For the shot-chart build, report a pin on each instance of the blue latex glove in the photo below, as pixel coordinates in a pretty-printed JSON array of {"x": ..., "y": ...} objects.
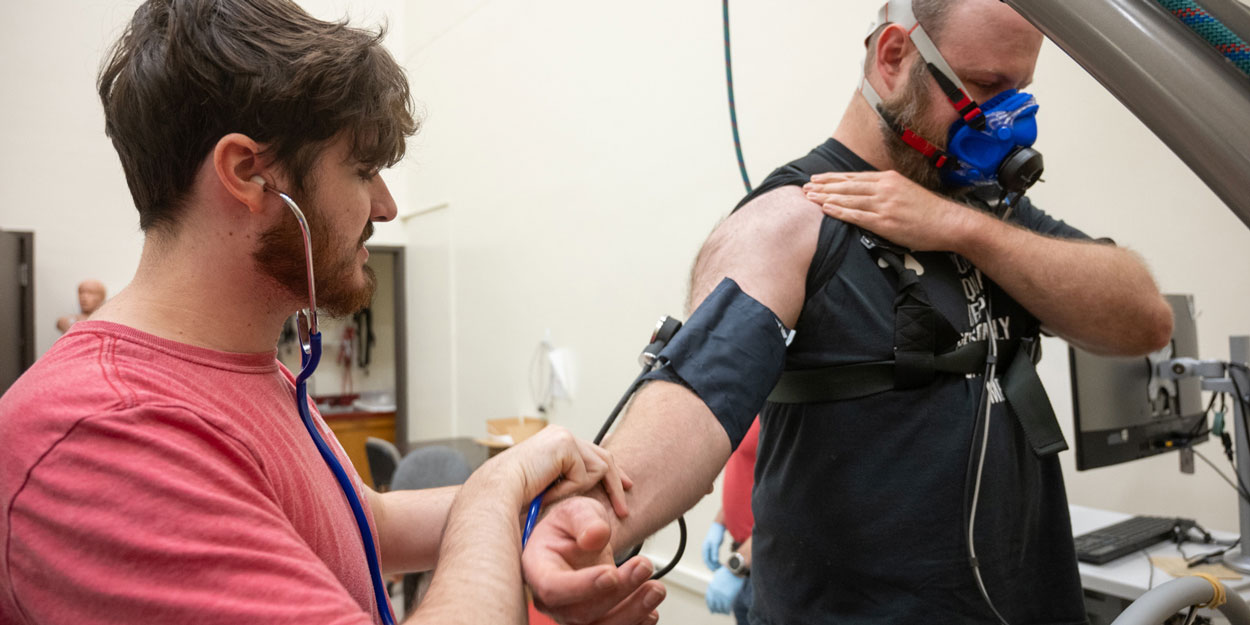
[
  {"x": 721, "y": 592},
  {"x": 711, "y": 546}
]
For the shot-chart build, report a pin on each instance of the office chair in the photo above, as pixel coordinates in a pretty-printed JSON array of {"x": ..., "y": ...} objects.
[
  {"x": 383, "y": 459},
  {"x": 427, "y": 467}
]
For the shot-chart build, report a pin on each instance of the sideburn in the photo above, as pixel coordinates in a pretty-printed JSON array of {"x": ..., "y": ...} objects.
[
  {"x": 280, "y": 256},
  {"x": 911, "y": 109}
]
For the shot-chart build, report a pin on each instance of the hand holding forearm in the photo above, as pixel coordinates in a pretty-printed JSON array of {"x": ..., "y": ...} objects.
[
  {"x": 672, "y": 472},
  {"x": 478, "y": 579}
]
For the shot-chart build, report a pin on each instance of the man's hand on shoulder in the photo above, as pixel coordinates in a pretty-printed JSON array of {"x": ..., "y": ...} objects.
[
  {"x": 894, "y": 207},
  {"x": 1099, "y": 297},
  {"x": 569, "y": 566}
]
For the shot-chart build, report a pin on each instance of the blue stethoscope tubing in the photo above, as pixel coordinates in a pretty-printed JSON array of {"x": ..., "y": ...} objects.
[
  {"x": 308, "y": 362},
  {"x": 532, "y": 517},
  {"x": 310, "y": 356}
]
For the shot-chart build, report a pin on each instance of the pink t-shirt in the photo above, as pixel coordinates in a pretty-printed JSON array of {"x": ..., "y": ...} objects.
[{"x": 147, "y": 481}]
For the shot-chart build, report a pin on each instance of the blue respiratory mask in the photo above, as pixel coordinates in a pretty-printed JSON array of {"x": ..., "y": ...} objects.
[{"x": 1002, "y": 153}]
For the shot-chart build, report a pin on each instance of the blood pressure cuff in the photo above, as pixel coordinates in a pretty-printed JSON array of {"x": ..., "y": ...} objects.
[{"x": 730, "y": 353}]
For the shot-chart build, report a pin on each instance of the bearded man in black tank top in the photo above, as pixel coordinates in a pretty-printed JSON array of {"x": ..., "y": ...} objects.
[{"x": 860, "y": 503}]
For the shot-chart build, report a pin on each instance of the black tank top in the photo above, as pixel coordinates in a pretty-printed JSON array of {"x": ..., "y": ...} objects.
[{"x": 859, "y": 503}]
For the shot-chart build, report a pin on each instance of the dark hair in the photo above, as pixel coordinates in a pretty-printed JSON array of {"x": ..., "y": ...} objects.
[
  {"x": 931, "y": 14},
  {"x": 188, "y": 72}
]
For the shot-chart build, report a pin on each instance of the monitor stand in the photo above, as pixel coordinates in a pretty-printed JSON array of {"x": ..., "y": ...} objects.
[{"x": 1239, "y": 350}]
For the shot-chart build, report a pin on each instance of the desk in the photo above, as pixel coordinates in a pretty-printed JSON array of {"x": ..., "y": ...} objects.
[{"x": 1117, "y": 583}]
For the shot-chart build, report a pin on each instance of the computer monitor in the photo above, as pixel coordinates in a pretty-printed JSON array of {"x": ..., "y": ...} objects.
[{"x": 1123, "y": 412}]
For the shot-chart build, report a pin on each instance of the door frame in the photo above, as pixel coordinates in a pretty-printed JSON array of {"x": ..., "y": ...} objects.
[{"x": 401, "y": 342}]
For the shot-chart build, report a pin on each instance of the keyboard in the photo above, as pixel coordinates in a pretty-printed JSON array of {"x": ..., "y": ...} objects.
[{"x": 1128, "y": 536}]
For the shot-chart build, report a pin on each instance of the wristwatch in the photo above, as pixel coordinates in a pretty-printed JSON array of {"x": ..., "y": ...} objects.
[{"x": 737, "y": 564}]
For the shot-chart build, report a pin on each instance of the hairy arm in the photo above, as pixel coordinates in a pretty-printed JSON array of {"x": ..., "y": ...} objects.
[
  {"x": 1096, "y": 296},
  {"x": 410, "y": 526},
  {"x": 478, "y": 578},
  {"x": 766, "y": 247},
  {"x": 473, "y": 532},
  {"x": 668, "y": 441}
]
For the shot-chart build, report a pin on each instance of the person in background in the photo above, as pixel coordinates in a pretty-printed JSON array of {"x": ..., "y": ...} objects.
[{"x": 730, "y": 589}]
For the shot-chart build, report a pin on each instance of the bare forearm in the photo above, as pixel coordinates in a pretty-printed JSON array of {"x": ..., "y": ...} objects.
[
  {"x": 673, "y": 447},
  {"x": 410, "y": 527},
  {"x": 1099, "y": 297},
  {"x": 669, "y": 441},
  {"x": 479, "y": 560}
]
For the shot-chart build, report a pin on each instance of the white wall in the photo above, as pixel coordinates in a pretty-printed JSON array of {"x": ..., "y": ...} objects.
[
  {"x": 583, "y": 150},
  {"x": 59, "y": 175}
]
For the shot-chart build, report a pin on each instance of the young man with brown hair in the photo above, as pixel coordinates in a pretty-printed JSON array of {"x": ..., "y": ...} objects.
[{"x": 155, "y": 467}]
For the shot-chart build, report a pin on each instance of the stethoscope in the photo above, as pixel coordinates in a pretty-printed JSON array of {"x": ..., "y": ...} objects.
[{"x": 310, "y": 356}]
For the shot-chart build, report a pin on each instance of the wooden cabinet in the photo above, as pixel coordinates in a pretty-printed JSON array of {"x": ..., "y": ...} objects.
[{"x": 353, "y": 428}]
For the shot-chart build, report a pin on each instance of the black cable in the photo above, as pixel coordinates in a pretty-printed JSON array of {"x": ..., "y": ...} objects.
[
  {"x": 1198, "y": 430},
  {"x": 1241, "y": 485},
  {"x": 1241, "y": 401},
  {"x": 1211, "y": 404},
  {"x": 681, "y": 548},
  {"x": 1240, "y": 488},
  {"x": 1193, "y": 613},
  {"x": 1206, "y": 558},
  {"x": 1179, "y": 541},
  {"x": 607, "y": 425},
  {"x": 733, "y": 109},
  {"x": 1245, "y": 491},
  {"x": 1150, "y": 584},
  {"x": 603, "y": 432},
  {"x": 984, "y": 406}
]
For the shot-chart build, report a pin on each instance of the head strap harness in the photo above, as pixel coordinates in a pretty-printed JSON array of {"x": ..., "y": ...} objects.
[{"x": 900, "y": 12}]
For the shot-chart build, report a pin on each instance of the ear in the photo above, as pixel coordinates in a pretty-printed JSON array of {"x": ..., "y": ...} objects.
[
  {"x": 894, "y": 49},
  {"x": 237, "y": 162}
]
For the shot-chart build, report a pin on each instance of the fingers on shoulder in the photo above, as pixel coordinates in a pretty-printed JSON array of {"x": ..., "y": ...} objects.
[
  {"x": 779, "y": 215},
  {"x": 766, "y": 247}
]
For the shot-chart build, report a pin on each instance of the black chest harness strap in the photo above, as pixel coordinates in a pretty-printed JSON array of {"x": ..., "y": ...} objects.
[{"x": 925, "y": 344}]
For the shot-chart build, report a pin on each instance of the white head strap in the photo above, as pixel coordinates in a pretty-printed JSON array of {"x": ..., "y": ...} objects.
[{"x": 900, "y": 12}]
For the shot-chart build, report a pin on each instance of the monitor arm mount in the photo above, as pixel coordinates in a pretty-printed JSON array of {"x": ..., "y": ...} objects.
[{"x": 1218, "y": 377}]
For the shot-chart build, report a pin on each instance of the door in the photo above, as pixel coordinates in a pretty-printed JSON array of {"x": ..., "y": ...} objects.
[{"x": 17, "y": 306}]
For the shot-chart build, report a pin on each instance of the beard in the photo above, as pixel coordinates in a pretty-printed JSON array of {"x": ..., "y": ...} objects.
[
  {"x": 911, "y": 109},
  {"x": 280, "y": 256}
]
